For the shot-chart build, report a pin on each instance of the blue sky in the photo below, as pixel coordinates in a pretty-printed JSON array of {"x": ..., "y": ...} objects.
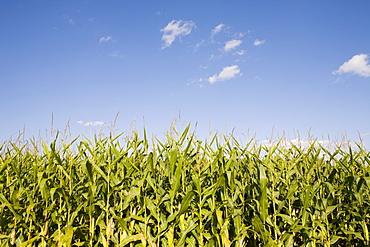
[{"x": 256, "y": 66}]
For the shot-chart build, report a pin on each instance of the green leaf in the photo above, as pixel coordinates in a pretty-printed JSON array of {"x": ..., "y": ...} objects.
[
  {"x": 29, "y": 242},
  {"x": 88, "y": 170},
  {"x": 263, "y": 196},
  {"x": 131, "y": 239},
  {"x": 152, "y": 208},
  {"x": 176, "y": 181},
  {"x": 5, "y": 202},
  {"x": 186, "y": 201},
  {"x": 100, "y": 172},
  {"x": 135, "y": 191}
]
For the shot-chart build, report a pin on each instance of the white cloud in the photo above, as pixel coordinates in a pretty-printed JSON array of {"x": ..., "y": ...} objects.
[
  {"x": 358, "y": 64},
  {"x": 96, "y": 123},
  {"x": 232, "y": 44},
  {"x": 239, "y": 35},
  {"x": 366, "y": 134},
  {"x": 306, "y": 143},
  {"x": 227, "y": 73},
  {"x": 217, "y": 29},
  {"x": 195, "y": 82},
  {"x": 201, "y": 43},
  {"x": 92, "y": 20},
  {"x": 258, "y": 42},
  {"x": 241, "y": 52},
  {"x": 115, "y": 54},
  {"x": 105, "y": 39},
  {"x": 70, "y": 20},
  {"x": 175, "y": 29}
]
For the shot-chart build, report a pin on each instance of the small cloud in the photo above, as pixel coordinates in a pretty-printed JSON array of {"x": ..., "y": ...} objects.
[
  {"x": 196, "y": 82},
  {"x": 232, "y": 44},
  {"x": 92, "y": 20},
  {"x": 70, "y": 20},
  {"x": 306, "y": 143},
  {"x": 217, "y": 29},
  {"x": 96, "y": 123},
  {"x": 105, "y": 39},
  {"x": 158, "y": 13},
  {"x": 337, "y": 80},
  {"x": 227, "y": 73},
  {"x": 176, "y": 29},
  {"x": 201, "y": 43},
  {"x": 358, "y": 64},
  {"x": 258, "y": 42},
  {"x": 115, "y": 54},
  {"x": 241, "y": 52},
  {"x": 258, "y": 78},
  {"x": 239, "y": 35}
]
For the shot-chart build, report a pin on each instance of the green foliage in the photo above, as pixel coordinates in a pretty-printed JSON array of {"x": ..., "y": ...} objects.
[{"x": 180, "y": 191}]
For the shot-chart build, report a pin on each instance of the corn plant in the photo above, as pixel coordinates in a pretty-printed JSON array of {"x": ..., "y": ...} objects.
[{"x": 181, "y": 191}]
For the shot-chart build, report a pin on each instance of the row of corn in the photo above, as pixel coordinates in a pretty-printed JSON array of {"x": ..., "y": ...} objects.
[{"x": 180, "y": 191}]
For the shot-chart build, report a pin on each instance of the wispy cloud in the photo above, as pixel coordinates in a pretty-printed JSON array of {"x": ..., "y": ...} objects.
[
  {"x": 196, "y": 82},
  {"x": 258, "y": 42},
  {"x": 92, "y": 20},
  {"x": 217, "y": 29},
  {"x": 199, "y": 44},
  {"x": 227, "y": 73},
  {"x": 241, "y": 52},
  {"x": 365, "y": 134},
  {"x": 358, "y": 64},
  {"x": 115, "y": 54},
  {"x": 95, "y": 123},
  {"x": 176, "y": 29},
  {"x": 306, "y": 143},
  {"x": 232, "y": 44},
  {"x": 105, "y": 39},
  {"x": 239, "y": 35},
  {"x": 70, "y": 20}
]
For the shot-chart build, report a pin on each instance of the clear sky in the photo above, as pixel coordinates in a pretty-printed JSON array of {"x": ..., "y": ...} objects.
[{"x": 283, "y": 65}]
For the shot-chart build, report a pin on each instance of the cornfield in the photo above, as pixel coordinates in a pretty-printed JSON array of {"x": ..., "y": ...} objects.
[{"x": 180, "y": 191}]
